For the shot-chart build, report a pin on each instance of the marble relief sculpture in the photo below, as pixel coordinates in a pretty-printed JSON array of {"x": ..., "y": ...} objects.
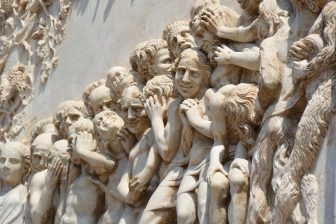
[{"x": 220, "y": 121}]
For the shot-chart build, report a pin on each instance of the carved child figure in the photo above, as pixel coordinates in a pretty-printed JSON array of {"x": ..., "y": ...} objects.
[
  {"x": 82, "y": 190},
  {"x": 112, "y": 142},
  {"x": 151, "y": 58}
]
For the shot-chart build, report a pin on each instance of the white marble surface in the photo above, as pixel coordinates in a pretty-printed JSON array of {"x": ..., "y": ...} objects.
[{"x": 101, "y": 34}]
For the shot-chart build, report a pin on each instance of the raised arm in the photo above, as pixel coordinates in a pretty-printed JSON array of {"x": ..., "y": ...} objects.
[{"x": 85, "y": 146}]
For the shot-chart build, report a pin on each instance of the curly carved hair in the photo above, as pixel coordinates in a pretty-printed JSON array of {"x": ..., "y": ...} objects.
[
  {"x": 25, "y": 155},
  {"x": 161, "y": 86},
  {"x": 143, "y": 57},
  {"x": 238, "y": 105},
  {"x": 43, "y": 126}
]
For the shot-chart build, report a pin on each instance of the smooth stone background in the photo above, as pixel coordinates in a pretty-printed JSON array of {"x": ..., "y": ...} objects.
[{"x": 101, "y": 34}]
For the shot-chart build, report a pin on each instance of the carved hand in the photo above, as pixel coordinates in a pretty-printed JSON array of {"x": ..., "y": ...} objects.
[
  {"x": 85, "y": 142},
  {"x": 138, "y": 182},
  {"x": 154, "y": 107},
  {"x": 214, "y": 168},
  {"x": 191, "y": 111},
  {"x": 223, "y": 55},
  {"x": 53, "y": 173},
  {"x": 212, "y": 21},
  {"x": 301, "y": 49},
  {"x": 127, "y": 139}
]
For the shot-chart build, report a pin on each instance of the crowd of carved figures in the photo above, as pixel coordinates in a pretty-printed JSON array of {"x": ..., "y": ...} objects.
[{"x": 220, "y": 121}]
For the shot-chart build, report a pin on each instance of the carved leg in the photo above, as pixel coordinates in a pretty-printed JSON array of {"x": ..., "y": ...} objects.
[
  {"x": 239, "y": 186},
  {"x": 114, "y": 212},
  {"x": 219, "y": 192},
  {"x": 203, "y": 203},
  {"x": 309, "y": 138},
  {"x": 186, "y": 202}
]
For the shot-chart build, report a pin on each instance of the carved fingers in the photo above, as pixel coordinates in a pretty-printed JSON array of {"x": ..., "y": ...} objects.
[
  {"x": 85, "y": 141},
  {"x": 127, "y": 139},
  {"x": 210, "y": 21},
  {"x": 301, "y": 50},
  {"x": 214, "y": 168},
  {"x": 137, "y": 183},
  {"x": 154, "y": 107},
  {"x": 223, "y": 55},
  {"x": 190, "y": 108},
  {"x": 54, "y": 171}
]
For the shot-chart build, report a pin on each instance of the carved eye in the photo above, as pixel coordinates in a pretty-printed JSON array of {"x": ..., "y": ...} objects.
[
  {"x": 74, "y": 117},
  {"x": 14, "y": 161},
  {"x": 2, "y": 160}
]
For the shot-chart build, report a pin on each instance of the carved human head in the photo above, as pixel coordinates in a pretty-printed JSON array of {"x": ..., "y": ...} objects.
[
  {"x": 44, "y": 126},
  {"x": 68, "y": 113},
  {"x": 249, "y": 6},
  {"x": 201, "y": 4},
  {"x": 178, "y": 37},
  {"x": 205, "y": 39},
  {"x": 40, "y": 151},
  {"x": 107, "y": 124},
  {"x": 192, "y": 73},
  {"x": 133, "y": 111},
  {"x": 151, "y": 58},
  {"x": 14, "y": 163},
  {"x": 97, "y": 97},
  {"x": 117, "y": 79}
]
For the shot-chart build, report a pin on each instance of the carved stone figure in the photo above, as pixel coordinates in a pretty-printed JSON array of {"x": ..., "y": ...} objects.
[
  {"x": 81, "y": 190},
  {"x": 48, "y": 188},
  {"x": 117, "y": 79},
  {"x": 315, "y": 74},
  {"x": 178, "y": 37},
  {"x": 68, "y": 113},
  {"x": 14, "y": 171},
  {"x": 97, "y": 97},
  {"x": 151, "y": 58},
  {"x": 136, "y": 121}
]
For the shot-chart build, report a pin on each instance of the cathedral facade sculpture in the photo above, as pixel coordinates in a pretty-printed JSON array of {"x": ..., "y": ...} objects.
[{"x": 220, "y": 121}]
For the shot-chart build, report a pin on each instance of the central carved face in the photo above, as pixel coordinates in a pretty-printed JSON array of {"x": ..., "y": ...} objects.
[
  {"x": 189, "y": 78},
  {"x": 107, "y": 124},
  {"x": 180, "y": 39},
  {"x": 100, "y": 99},
  {"x": 134, "y": 115},
  {"x": 11, "y": 165}
]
